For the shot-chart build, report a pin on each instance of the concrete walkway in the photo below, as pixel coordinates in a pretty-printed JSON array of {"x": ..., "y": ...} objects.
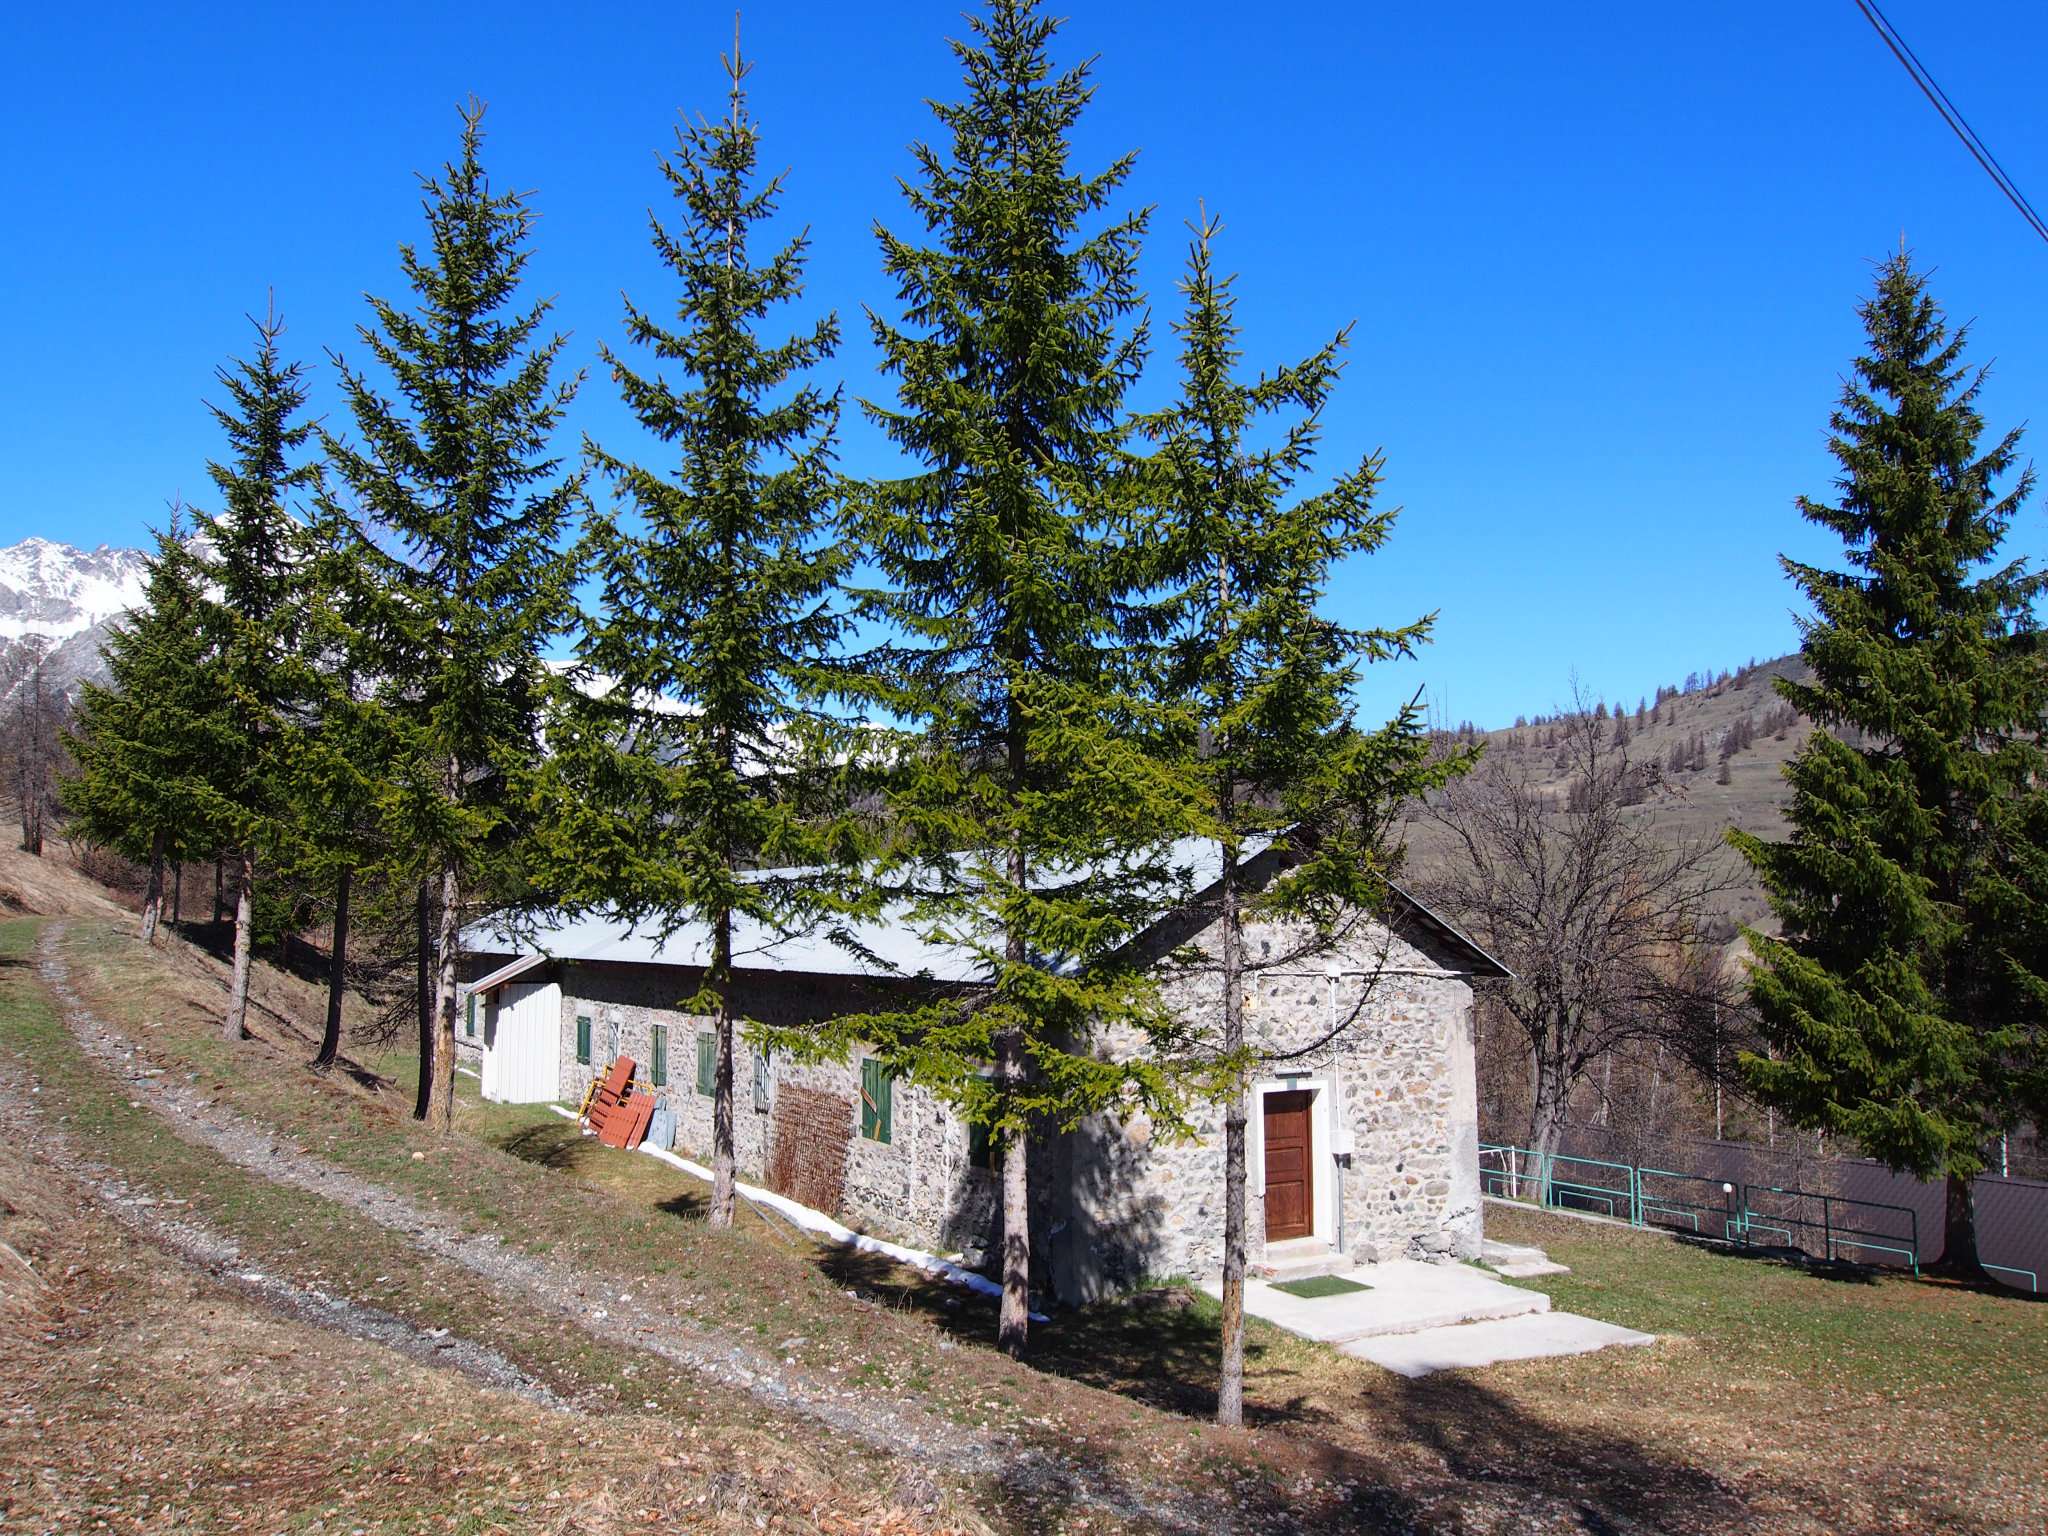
[
  {"x": 1532, "y": 1337},
  {"x": 1414, "y": 1318},
  {"x": 1403, "y": 1296}
]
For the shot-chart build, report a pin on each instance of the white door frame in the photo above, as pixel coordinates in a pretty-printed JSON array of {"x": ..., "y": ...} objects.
[{"x": 1324, "y": 1192}]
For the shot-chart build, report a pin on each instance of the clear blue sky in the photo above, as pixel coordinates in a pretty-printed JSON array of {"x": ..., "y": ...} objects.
[{"x": 1602, "y": 257}]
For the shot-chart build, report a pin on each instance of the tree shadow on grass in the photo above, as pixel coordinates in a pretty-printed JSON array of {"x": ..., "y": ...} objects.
[
  {"x": 560, "y": 1146},
  {"x": 1388, "y": 1453},
  {"x": 546, "y": 1145}
]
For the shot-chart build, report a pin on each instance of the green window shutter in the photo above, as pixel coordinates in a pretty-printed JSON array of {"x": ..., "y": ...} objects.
[
  {"x": 469, "y": 1019},
  {"x": 707, "y": 1064},
  {"x": 583, "y": 1039},
  {"x": 658, "y": 1068},
  {"x": 877, "y": 1100}
]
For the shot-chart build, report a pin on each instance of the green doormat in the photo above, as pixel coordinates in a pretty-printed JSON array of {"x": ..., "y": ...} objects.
[{"x": 1319, "y": 1285}]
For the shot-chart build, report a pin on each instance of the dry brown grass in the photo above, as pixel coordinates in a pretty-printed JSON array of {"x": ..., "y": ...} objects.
[
  {"x": 1778, "y": 1400},
  {"x": 141, "y": 1394},
  {"x": 138, "y": 1393},
  {"x": 51, "y": 886}
]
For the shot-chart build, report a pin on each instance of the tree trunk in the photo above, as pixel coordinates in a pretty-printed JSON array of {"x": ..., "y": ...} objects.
[
  {"x": 232, "y": 1027},
  {"x": 1547, "y": 1115},
  {"x": 423, "y": 995},
  {"x": 337, "y": 971},
  {"x": 178, "y": 892},
  {"x": 153, "y": 893},
  {"x": 1959, "y": 1231},
  {"x": 220, "y": 898},
  {"x": 1013, "y": 1323},
  {"x": 721, "y": 1086},
  {"x": 441, "y": 1103},
  {"x": 1230, "y": 1387}
]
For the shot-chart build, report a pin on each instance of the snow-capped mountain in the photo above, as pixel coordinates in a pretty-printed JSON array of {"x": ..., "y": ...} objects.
[
  {"x": 54, "y": 591},
  {"x": 55, "y": 605}
]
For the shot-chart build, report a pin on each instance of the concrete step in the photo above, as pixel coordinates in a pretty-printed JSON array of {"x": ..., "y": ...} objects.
[
  {"x": 1401, "y": 1296},
  {"x": 1301, "y": 1258},
  {"x": 1534, "y": 1337},
  {"x": 1518, "y": 1261}
]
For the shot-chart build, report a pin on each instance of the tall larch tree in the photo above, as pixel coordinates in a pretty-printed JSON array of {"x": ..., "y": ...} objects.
[
  {"x": 456, "y": 472},
  {"x": 1259, "y": 682},
  {"x": 1903, "y": 1000},
  {"x": 1027, "y": 815},
  {"x": 144, "y": 743},
  {"x": 696, "y": 732},
  {"x": 253, "y": 555}
]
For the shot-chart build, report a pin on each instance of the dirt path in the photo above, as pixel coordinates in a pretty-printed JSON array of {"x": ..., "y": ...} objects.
[
  {"x": 200, "y": 1247},
  {"x": 599, "y": 1308}
]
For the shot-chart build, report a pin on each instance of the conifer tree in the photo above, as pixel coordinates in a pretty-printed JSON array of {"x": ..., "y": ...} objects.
[
  {"x": 696, "y": 728},
  {"x": 1260, "y": 681},
  {"x": 1027, "y": 813},
  {"x": 344, "y": 755},
  {"x": 144, "y": 744},
  {"x": 456, "y": 472},
  {"x": 253, "y": 570},
  {"x": 1903, "y": 1003}
]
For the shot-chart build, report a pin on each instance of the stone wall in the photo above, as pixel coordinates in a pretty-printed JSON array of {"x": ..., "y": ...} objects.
[
  {"x": 916, "y": 1187},
  {"x": 1118, "y": 1199},
  {"x": 1394, "y": 1114}
]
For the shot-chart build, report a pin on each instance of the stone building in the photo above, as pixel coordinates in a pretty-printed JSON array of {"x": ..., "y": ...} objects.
[{"x": 1363, "y": 1126}]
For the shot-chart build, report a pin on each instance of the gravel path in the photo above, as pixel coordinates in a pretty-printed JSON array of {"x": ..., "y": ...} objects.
[
  {"x": 204, "y": 1249},
  {"x": 897, "y": 1428}
]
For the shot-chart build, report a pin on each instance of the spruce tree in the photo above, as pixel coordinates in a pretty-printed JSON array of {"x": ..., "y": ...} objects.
[
  {"x": 344, "y": 755},
  {"x": 1260, "y": 681},
  {"x": 1027, "y": 815},
  {"x": 1903, "y": 1002},
  {"x": 456, "y": 472},
  {"x": 144, "y": 744},
  {"x": 253, "y": 571},
  {"x": 689, "y": 744}
]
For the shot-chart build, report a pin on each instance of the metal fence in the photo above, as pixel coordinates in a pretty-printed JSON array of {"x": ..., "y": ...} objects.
[{"x": 1831, "y": 1208}]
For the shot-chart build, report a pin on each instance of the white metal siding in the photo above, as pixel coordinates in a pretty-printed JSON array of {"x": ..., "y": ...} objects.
[{"x": 522, "y": 1043}]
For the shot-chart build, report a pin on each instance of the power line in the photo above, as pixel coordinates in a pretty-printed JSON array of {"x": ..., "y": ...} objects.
[{"x": 1979, "y": 150}]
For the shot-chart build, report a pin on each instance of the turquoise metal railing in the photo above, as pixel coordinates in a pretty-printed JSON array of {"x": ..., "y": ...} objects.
[{"x": 1646, "y": 1197}]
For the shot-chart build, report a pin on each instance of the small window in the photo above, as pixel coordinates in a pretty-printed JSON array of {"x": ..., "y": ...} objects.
[
  {"x": 707, "y": 1063},
  {"x": 761, "y": 1082},
  {"x": 657, "y": 1069},
  {"x": 583, "y": 1039},
  {"x": 980, "y": 1145},
  {"x": 469, "y": 1018},
  {"x": 877, "y": 1100}
]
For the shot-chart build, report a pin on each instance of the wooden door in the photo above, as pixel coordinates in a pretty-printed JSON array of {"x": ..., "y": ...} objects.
[{"x": 1290, "y": 1175}]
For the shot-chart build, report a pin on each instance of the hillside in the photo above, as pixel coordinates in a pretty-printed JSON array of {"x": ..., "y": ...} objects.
[
  {"x": 323, "y": 1318},
  {"x": 1682, "y": 734}
]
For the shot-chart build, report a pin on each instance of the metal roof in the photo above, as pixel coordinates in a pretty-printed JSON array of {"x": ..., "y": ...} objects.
[{"x": 889, "y": 946}]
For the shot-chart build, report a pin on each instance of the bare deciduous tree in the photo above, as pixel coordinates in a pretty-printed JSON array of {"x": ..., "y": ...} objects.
[
  {"x": 33, "y": 749},
  {"x": 1598, "y": 911}
]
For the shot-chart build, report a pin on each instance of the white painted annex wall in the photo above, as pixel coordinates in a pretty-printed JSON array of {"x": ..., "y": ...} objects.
[{"x": 522, "y": 1043}]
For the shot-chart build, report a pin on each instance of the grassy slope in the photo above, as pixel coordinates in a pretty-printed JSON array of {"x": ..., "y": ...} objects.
[
  {"x": 1786, "y": 1401},
  {"x": 140, "y": 1393}
]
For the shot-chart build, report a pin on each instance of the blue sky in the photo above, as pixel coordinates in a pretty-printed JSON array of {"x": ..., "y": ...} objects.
[{"x": 1602, "y": 259}]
